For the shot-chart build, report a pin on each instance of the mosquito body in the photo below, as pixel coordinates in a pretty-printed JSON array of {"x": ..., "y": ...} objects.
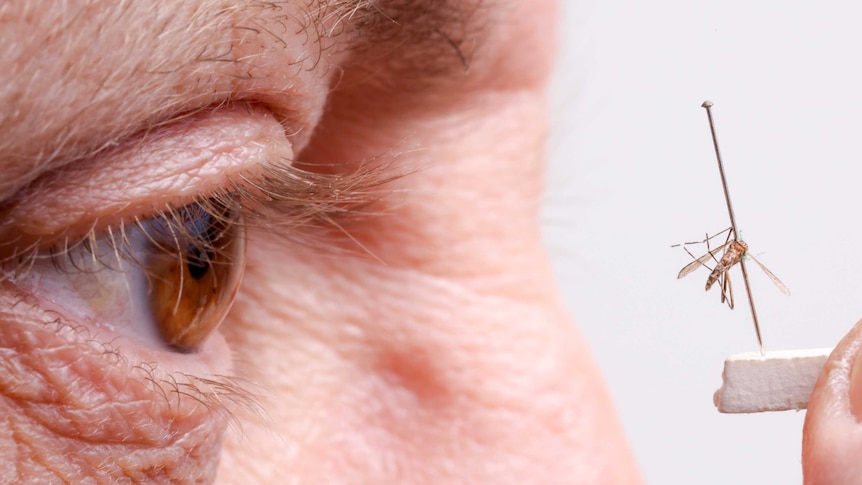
[
  {"x": 729, "y": 258},
  {"x": 732, "y": 252}
]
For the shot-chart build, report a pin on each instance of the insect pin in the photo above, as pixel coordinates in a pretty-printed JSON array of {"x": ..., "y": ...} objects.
[{"x": 733, "y": 251}]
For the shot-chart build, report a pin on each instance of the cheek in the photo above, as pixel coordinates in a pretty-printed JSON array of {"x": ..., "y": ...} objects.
[{"x": 74, "y": 409}]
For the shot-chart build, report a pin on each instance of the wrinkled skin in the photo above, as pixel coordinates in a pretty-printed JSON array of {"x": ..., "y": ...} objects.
[{"x": 439, "y": 353}]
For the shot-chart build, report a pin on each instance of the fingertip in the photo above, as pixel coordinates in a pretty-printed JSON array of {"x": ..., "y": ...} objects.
[
  {"x": 855, "y": 393},
  {"x": 832, "y": 436}
]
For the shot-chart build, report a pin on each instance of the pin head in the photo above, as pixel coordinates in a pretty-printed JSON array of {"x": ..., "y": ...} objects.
[{"x": 706, "y": 104}]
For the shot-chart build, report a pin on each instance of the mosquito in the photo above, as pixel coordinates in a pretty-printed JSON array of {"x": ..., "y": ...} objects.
[{"x": 734, "y": 251}]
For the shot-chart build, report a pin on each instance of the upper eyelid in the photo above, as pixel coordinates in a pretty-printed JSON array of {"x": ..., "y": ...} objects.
[
  {"x": 172, "y": 165},
  {"x": 152, "y": 61},
  {"x": 236, "y": 155}
]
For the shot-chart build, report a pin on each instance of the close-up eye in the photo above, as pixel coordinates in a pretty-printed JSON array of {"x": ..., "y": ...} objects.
[
  {"x": 146, "y": 241},
  {"x": 177, "y": 272},
  {"x": 160, "y": 263}
]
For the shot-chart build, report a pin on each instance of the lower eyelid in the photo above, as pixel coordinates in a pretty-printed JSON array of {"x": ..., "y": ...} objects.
[
  {"x": 25, "y": 307},
  {"x": 77, "y": 403}
]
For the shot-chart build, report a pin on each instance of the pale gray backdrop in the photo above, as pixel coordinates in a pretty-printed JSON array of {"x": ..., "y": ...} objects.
[{"x": 633, "y": 171}]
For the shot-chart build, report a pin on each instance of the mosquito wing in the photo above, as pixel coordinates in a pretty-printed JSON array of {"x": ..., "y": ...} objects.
[
  {"x": 697, "y": 263},
  {"x": 772, "y": 276}
]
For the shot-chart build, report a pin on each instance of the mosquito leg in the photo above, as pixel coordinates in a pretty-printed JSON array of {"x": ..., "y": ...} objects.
[
  {"x": 709, "y": 250},
  {"x": 706, "y": 239},
  {"x": 695, "y": 258},
  {"x": 727, "y": 290}
]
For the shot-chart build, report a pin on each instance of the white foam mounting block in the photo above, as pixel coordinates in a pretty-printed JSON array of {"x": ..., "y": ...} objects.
[{"x": 776, "y": 381}]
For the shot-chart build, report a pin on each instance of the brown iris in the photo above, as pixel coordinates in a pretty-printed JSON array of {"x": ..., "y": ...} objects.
[{"x": 196, "y": 273}]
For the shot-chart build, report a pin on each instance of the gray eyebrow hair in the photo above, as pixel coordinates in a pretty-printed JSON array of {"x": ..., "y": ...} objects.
[{"x": 419, "y": 39}]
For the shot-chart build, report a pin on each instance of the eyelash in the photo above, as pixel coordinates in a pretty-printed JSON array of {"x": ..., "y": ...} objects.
[
  {"x": 302, "y": 205},
  {"x": 281, "y": 198}
]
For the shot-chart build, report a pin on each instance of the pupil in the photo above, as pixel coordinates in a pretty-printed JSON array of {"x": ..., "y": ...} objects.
[
  {"x": 206, "y": 229},
  {"x": 198, "y": 262}
]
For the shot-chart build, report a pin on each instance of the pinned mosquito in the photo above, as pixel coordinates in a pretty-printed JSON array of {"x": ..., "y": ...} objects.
[{"x": 732, "y": 252}]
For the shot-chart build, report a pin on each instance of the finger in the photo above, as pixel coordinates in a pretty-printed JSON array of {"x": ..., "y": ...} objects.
[{"x": 832, "y": 437}]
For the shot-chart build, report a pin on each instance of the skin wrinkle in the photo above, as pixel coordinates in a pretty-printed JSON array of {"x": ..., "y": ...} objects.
[{"x": 48, "y": 382}]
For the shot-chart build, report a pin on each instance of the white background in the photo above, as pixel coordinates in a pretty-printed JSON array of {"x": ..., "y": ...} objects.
[{"x": 633, "y": 171}]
